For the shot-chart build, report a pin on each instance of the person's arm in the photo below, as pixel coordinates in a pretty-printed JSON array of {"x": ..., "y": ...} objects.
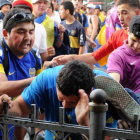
[
  {"x": 19, "y": 109},
  {"x": 87, "y": 58},
  {"x": 95, "y": 22},
  {"x": 13, "y": 88},
  {"x": 115, "y": 76},
  {"x": 49, "y": 53},
  {"x": 81, "y": 49},
  {"x": 91, "y": 58},
  {"x": 91, "y": 42},
  {"x": 116, "y": 65}
]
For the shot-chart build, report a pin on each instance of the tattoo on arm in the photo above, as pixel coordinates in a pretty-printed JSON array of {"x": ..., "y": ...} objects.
[{"x": 14, "y": 114}]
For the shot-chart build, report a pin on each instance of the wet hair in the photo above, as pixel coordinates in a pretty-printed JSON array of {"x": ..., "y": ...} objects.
[
  {"x": 134, "y": 26},
  {"x": 9, "y": 23},
  {"x": 73, "y": 76},
  {"x": 131, "y": 3},
  {"x": 52, "y": 6},
  {"x": 68, "y": 5}
]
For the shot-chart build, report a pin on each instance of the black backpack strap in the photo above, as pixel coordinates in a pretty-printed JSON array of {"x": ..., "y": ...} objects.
[
  {"x": 6, "y": 60},
  {"x": 84, "y": 19},
  {"x": 36, "y": 58}
]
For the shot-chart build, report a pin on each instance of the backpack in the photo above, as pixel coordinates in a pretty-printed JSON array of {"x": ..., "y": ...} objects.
[{"x": 6, "y": 60}]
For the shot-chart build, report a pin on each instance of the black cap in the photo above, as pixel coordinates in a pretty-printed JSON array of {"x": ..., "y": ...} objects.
[
  {"x": 134, "y": 26},
  {"x": 5, "y": 2}
]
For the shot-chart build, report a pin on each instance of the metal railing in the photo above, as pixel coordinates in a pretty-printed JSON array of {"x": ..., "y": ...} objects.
[{"x": 96, "y": 131}]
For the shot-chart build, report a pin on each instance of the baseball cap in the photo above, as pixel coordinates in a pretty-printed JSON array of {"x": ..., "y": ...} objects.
[
  {"x": 90, "y": 6},
  {"x": 23, "y": 3},
  {"x": 85, "y": 2},
  {"x": 34, "y": 1},
  {"x": 134, "y": 26},
  {"x": 5, "y": 2},
  {"x": 97, "y": 7}
]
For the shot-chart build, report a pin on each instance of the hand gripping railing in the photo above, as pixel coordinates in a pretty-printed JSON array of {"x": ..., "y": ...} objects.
[{"x": 96, "y": 131}]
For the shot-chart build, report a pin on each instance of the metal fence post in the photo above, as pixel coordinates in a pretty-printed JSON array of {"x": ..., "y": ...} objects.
[
  {"x": 33, "y": 118},
  {"x": 98, "y": 109},
  {"x": 5, "y": 112}
]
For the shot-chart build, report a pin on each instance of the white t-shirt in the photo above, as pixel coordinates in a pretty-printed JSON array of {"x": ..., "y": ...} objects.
[
  {"x": 40, "y": 38},
  {"x": 56, "y": 17}
]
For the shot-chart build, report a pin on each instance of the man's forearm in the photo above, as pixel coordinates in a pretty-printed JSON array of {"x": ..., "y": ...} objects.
[
  {"x": 14, "y": 88},
  {"x": 87, "y": 58}
]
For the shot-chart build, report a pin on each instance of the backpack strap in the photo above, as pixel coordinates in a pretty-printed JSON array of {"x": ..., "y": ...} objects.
[
  {"x": 84, "y": 19},
  {"x": 6, "y": 60},
  {"x": 36, "y": 58}
]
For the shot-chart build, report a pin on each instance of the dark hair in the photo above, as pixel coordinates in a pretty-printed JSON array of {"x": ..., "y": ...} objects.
[
  {"x": 52, "y": 6},
  {"x": 9, "y": 24},
  {"x": 68, "y": 5},
  {"x": 73, "y": 76},
  {"x": 131, "y": 3}
]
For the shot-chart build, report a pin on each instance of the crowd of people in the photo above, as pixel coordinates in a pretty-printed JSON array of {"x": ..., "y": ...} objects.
[{"x": 54, "y": 53}]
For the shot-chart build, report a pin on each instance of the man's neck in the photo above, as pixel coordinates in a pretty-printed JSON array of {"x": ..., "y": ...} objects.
[{"x": 70, "y": 19}]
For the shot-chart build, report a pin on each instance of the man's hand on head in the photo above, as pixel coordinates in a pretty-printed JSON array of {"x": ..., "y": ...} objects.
[
  {"x": 63, "y": 59},
  {"x": 81, "y": 109}
]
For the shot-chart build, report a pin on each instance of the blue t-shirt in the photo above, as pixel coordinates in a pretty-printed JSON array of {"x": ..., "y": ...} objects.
[
  {"x": 20, "y": 68},
  {"x": 42, "y": 92}
]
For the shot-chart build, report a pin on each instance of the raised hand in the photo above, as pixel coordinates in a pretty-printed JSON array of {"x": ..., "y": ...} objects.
[{"x": 82, "y": 110}]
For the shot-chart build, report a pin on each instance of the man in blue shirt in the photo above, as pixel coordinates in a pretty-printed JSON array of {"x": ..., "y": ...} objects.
[
  {"x": 18, "y": 32},
  {"x": 67, "y": 86},
  {"x": 19, "y": 64}
]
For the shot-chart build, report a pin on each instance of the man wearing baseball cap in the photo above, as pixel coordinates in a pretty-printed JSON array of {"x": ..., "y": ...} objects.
[
  {"x": 5, "y": 6},
  {"x": 94, "y": 25}
]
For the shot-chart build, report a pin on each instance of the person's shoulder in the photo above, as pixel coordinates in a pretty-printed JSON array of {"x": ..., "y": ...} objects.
[
  {"x": 1, "y": 15},
  {"x": 52, "y": 71},
  {"x": 120, "y": 49},
  {"x": 78, "y": 24},
  {"x": 120, "y": 32},
  {"x": 118, "y": 53},
  {"x": 37, "y": 25},
  {"x": 63, "y": 22},
  {"x": 100, "y": 71}
]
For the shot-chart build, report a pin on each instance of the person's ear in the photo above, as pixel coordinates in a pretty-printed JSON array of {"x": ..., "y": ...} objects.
[
  {"x": 128, "y": 29},
  {"x": 5, "y": 33},
  {"x": 137, "y": 11}
]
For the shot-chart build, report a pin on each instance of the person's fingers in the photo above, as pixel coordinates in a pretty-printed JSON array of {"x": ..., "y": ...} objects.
[
  {"x": 124, "y": 125},
  {"x": 120, "y": 126},
  {"x": 83, "y": 95},
  {"x": 5, "y": 98}
]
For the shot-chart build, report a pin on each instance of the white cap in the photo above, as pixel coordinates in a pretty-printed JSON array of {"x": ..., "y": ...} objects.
[
  {"x": 85, "y": 2},
  {"x": 34, "y": 1},
  {"x": 90, "y": 6}
]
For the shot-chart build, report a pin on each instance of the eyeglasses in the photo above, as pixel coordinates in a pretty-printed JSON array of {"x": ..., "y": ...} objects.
[{"x": 21, "y": 16}]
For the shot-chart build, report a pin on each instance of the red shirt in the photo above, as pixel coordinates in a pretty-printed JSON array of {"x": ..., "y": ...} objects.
[{"x": 116, "y": 40}]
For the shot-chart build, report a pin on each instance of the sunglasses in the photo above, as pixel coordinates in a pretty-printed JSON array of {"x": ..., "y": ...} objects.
[{"x": 21, "y": 16}]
